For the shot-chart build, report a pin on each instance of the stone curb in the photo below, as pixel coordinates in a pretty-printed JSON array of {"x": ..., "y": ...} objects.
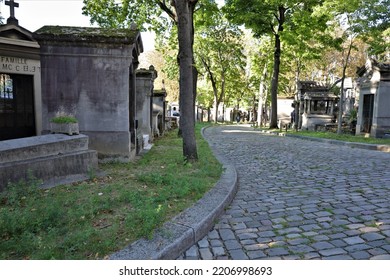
[
  {"x": 184, "y": 230},
  {"x": 373, "y": 147}
]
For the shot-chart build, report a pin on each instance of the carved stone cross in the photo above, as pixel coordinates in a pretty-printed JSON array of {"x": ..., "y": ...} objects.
[{"x": 12, "y": 6}]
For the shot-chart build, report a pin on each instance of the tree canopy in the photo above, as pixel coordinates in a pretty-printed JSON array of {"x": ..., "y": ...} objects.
[
  {"x": 148, "y": 14},
  {"x": 272, "y": 17},
  {"x": 295, "y": 39},
  {"x": 219, "y": 56}
]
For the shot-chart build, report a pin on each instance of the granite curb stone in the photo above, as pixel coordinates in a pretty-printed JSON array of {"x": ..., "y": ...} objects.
[
  {"x": 374, "y": 147},
  {"x": 190, "y": 226}
]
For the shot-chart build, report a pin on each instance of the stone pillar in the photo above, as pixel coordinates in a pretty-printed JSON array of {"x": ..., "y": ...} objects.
[
  {"x": 144, "y": 91},
  {"x": 159, "y": 106},
  {"x": 374, "y": 100},
  {"x": 381, "y": 121}
]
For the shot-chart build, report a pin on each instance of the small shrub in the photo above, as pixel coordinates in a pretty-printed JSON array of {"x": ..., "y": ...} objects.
[{"x": 64, "y": 119}]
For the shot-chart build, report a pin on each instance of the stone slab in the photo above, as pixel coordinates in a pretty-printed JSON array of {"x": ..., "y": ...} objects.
[
  {"x": 34, "y": 147},
  {"x": 51, "y": 158},
  {"x": 55, "y": 168}
]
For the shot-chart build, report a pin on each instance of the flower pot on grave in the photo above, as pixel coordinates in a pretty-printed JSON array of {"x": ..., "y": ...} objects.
[
  {"x": 64, "y": 128},
  {"x": 64, "y": 124}
]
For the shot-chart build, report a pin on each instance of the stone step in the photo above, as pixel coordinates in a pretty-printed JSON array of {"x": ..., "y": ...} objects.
[
  {"x": 51, "y": 158},
  {"x": 50, "y": 169},
  {"x": 38, "y": 146}
]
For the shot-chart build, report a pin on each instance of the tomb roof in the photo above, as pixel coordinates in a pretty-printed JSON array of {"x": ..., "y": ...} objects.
[
  {"x": 373, "y": 64},
  {"x": 159, "y": 92},
  {"x": 13, "y": 31},
  {"x": 312, "y": 85},
  {"x": 88, "y": 34},
  {"x": 147, "y": 72},
  {"x": 320, "y": 95}
]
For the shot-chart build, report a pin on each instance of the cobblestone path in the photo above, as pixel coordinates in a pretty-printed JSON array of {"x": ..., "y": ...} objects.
[{"x": 299, "y": 199}]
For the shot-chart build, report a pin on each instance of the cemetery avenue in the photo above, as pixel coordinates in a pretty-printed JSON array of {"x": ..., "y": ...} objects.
[{"x": 299, "y": 199}]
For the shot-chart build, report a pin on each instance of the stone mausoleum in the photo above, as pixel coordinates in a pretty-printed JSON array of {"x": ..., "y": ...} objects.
[
  {"x": 144, "y": 89},
  {"x": 24, "y": 152},
  {"x": 20, "y": 81},
  {"x": 159, "y": 112},
  {"x": 374, "y": 99},
  {"x": 316, "y": 106},
  {"x": 91, "y": 73}
]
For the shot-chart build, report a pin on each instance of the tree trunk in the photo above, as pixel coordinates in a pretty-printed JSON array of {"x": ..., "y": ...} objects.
[
  {"x": 275, "y": 75},
  {"x": 194, "y": 85},
  {"x": 341, "y": 101},
  {"x": 274, "y": 84},
  {"x": 261, "y": 96},
  {"x": 187, "y": 104},
  {"x": 297, "y": 101},
  {"x": 216, "y": 110}
]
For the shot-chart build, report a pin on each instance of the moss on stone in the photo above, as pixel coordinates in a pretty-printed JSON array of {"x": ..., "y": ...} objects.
[{"x": 86, "y": 34}]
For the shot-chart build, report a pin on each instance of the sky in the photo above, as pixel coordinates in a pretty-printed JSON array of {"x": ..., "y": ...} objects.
[{"x": 33, "y": 14}]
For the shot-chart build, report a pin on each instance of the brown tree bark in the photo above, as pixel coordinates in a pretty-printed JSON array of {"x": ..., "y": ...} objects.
[
  {"x": 184, "y": 11},
  {"x": 275, "y": 76}
]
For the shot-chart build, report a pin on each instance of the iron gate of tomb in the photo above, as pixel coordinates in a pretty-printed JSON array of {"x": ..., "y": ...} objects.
[
  {"x": 17, "y": 117},
  {"x": 368, "y": 108}
]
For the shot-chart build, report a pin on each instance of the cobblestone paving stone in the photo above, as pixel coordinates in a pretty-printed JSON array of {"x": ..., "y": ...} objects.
[{"x": 299, "y": 199}]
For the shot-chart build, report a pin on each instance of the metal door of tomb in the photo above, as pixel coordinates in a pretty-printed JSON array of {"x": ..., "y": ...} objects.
[
  {"x": 17, "y": 116},
  {"x": 368, "y": 108}
]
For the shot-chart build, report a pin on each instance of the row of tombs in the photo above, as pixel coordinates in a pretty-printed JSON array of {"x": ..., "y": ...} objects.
[
  {"x": 317, "y": 103},
  {"x": 93, "y": 74},
  {"x": 89, "y": 73},
  {"x": 317, "y": 106}
]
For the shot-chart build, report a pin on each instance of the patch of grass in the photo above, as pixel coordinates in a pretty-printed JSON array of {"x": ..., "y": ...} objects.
[
  {"x": 329, "y": 210},
  {"x": 361, "y": 191},
  {"x": 64, "y": 119},
  {"x": 95, "y": 218}
]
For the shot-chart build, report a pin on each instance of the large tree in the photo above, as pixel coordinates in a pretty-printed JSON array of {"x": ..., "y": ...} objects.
[
  {"x": 269, "y": 17},
  {"x": 219, "y": 53},
  {"x": 357, "y": 18},
  {"x": 147, "y": 14}
]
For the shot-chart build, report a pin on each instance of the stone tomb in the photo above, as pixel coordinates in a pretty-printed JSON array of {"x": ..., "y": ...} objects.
[
  {"x": 159, "y": 112},
  {"x": 90, "y": 73},
  {"x": 20, "y": 82},
  {"x": 54, "y": 158},
  {"x": 144, "y": 89},
  {"x": 316, "y": 106},
  {"x": 374, "y": 99}
]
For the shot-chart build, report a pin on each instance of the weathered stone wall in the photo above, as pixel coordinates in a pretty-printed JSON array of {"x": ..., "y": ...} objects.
[
  {"x": 381, "y": 123},
  {"x": 92, "y": 84},
  {"x": 88, "y": 72}
]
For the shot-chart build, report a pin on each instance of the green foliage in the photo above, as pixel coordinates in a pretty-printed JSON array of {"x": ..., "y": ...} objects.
[
  {"x": 121, "y": 14},
  {"x": 363, "y": 19},
  {"x": 352, "y": 116},
  {"x": 64, "y": 119},
  {"x": 220, "y": 58}
]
